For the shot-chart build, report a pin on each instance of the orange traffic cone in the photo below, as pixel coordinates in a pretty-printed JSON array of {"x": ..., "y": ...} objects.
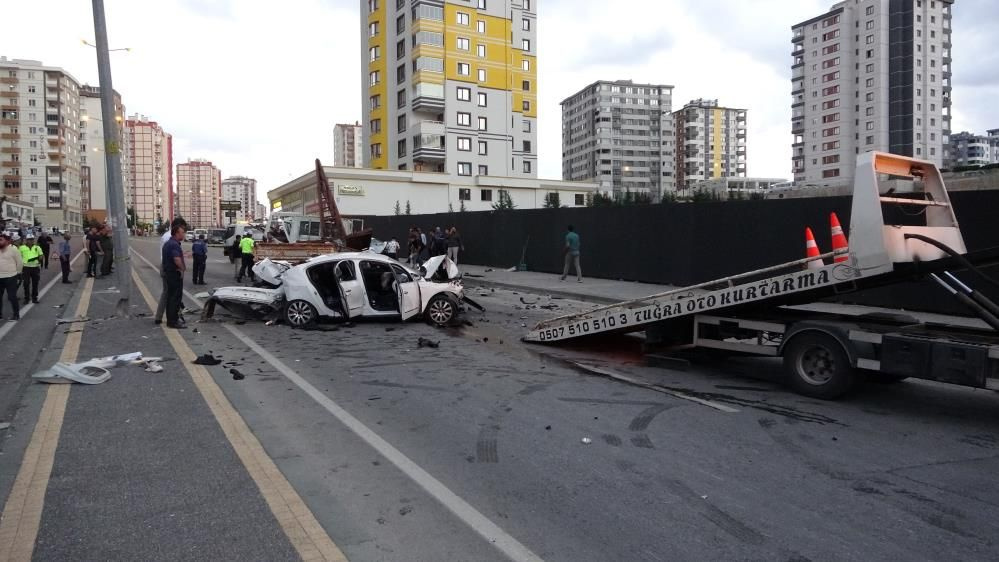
[
  {"x": 838, "y": 238},
  {"x": 812, "y": 251}
]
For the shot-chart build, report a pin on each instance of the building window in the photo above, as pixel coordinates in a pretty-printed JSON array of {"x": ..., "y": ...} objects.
[
  {"x": 870, "y": 10},
  {"x": 831, "y": 35},
  {"x": 485, "y": 194},
  {"x": 525, "y": 24},
  {"x": 525, "y": 65},
  {"x": 527, "y": 5},
  {"x": 525, "y": 44},
  {"x": 400, "y": 24},
  {"x": 482, "y": 75},
  {"x": 400, "y": 74},
  {"x": 869, "y": 111},
  {"x": 527, "y": 126},
  {"x": 834, "y": 159},
  {"x": 465, "y": 144},
  {"x": 483, "y": 148},
  {"x": 480, "y": 26},
  {"x": 480, "y": 50},
  {"x": 462, "y": 18},
  {"x": 869, "y": 40},
  {"x": 527, "y": 146},
  {"x": 464, "y": 119},
  {"x": 376, "y": 150},
  {"x": 400, "y": 98},
  {"x": 372, "y": 29},
  {"x": 869, "y": 96},
  {"x": 465, "y": 169},
  {"x": 376, "y": 101},
  {"x": 402, "y": 123},
  {"x": 870, "y": 82},
  {"x": 830, "y": 145},
  {"x": 834, "y": 173},
  {"x": 483, "y": 99},
  {"x": 527, "y": 166},
  {"x": 830, "y": 49},
  {"x": 463, "y": 43},
  {"x": 400, "y": 49},
  {"x": 481, "y": 4},
  {"x": 374, "y": 78},
  {"x": 525, "y": 85},
  {"x": 830, "y": 104},
  {"x": 373, "y": 5},
  {"x": 402, "y": 148},
  {"x": 376, "y": 125},
  {"x": 464, "y": 193},
  {"x": 464, "y": 94},
  {"x": 375, "y": 53},
  {"x": 526, "y": 106},
  {"x": 870, "y": 24},
  {"x": 483, "y": 124},
  {"x": 464, "y": 69},
  {"x": 483, "y": 170}
]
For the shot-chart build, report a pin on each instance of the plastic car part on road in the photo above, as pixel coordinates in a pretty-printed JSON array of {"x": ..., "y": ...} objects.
[{"x": 68, "y": 373}]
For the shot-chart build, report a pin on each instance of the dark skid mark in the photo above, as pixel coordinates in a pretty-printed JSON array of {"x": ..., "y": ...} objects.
[
  {"x": 531, "y": 389},
  {"x": 643, "y": 419},
  {"x": 642, "y": 441},
  {"x": 407, "y": 386},
  {"x": 605, "y": 401},
  {"x": 485, "y": 450},
  {"x": 721, "y": 519},
  {"x": 612, "y": 440},
  {"x": 747, "y": 388}
]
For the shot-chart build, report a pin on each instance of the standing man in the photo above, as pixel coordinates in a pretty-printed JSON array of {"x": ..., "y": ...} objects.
[
  {"x": 93, "y": 245},
  {"x": 246, "y": 253},
  {"x": 65, "y": 251},
  {"x": 234, "y": 257},
  {"x": 167, "y": 236},
  {"x": 571, "y": 252},
  {"x": 107, "y": 251},
  {"x": 31, "y": 256},
  {"x": 45, "y": 242},
  {"x": 173, "y": 268},
  {"x": 454, "y": 244},
  {"x": 10, "y": 273},
  {"x": 199, "y": 253},
  {"x": 392, "y": 248}
]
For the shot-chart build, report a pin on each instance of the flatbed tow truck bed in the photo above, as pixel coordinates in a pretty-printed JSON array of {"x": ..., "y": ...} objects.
[{"x": 822, "y": 351}]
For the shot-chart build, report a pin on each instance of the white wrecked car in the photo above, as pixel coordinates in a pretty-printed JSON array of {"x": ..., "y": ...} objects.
[{"x": 349, "y": 286}]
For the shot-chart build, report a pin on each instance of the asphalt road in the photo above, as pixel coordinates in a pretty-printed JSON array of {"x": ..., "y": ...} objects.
[{"x": 472, "y": 450}]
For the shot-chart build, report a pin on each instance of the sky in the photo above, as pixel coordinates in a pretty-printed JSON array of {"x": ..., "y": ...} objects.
[{"x": 256, "y": 86}]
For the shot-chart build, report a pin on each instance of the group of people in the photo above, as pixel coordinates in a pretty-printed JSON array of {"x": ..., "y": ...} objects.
[
  {"x": 21, "y": 262},
  {"x": 100, "y": 252},
  {"x": 437, "y": 242}
]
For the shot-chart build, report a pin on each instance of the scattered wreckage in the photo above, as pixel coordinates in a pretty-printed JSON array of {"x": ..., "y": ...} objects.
[{"x": 346, "y": 286}]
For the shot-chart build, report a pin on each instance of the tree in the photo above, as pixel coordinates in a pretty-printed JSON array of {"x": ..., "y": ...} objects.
[
  {"x": 589, "y": 199},
  {"x": 505, "y": 203},
  {"x": 450, "y": 207},
  {"x": 409, "y": 209},
  {"x": 398, "y": 209},
  {"x": 552, "y": 201},
  {"x": 668, "y": 197},
  {"x": 601, "y": 200},
  {"x": 132, "y": 218},
  {"x": 703, "y": 195}
]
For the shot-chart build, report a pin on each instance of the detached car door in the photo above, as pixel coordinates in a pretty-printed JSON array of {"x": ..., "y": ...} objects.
[{"x": 409, "y": 293}]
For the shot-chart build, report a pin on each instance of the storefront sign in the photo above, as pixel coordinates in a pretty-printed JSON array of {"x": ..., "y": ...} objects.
[{"x": 352, "y": 190}]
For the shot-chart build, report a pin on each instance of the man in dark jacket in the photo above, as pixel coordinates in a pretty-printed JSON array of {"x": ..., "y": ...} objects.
[
  {"x": 107, "y": 247},
  {"x": 45, "y": 243}
]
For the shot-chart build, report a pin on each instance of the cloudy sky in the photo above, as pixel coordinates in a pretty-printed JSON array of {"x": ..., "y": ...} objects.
[{"x": 256, "y": 85}]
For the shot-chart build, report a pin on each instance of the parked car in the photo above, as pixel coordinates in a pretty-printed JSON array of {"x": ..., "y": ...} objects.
[{"x": 348, "y": 286}]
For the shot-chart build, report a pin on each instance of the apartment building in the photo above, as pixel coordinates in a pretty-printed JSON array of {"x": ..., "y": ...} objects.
[
  {"x": 620, "y": 135},
  {"x": 149, "y": 174},
  {"x": 870, "y": 75},
  {"x": 93, "y": 166},
  {"x": 244, "y": 190},
  {"x": 969, "y": 149},
  {"x": 710, "y": 142},
  {"x": 450, "y": 86},
  {"x": 199, "y": 189},
  {"x": 348, "y": 145},
  {"x": 39, "y": 141}
]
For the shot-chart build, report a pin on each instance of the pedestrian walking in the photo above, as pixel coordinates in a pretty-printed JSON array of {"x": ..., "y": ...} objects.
[
  {"x": 65, "y": 251},
  {"x": 246, "y": 255},
  {"x": 107, "y": 251},
  {"x": 235, "y": 258},
  {"x": 392, "y": 248},
  {"x": 167, "y": 236},
  {"x": 199, "y": 255},
  {"x": 454, "y": 245},
  {"x": 426, "y": 238},
  {"x": 11, "y": 267},
  {"x": 415, "y": 247},
  {"x": 93, "y": 246},
  {"x": 45, "y": 243},
  {"x": 571, "y": 251},
  {"x": 173, "y": 268},
  {"x": 31, "y": 257}
]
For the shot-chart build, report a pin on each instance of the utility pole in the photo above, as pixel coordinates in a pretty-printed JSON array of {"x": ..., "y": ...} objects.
[{"x": 112, "y": 160}]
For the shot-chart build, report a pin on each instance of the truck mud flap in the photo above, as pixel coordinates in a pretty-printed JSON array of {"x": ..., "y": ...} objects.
[{"x": 473, "y": 304}]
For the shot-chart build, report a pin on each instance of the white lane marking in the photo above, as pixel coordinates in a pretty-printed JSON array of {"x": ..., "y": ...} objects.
[
  {"x": 8, "y": 326},
  {"x": 657, "y": 388},
  {"x": 472, "y": 517}
]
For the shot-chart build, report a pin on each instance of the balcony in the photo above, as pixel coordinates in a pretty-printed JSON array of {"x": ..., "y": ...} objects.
[
  {"x": 8, "y": 80},
  {"x": 428, "y": 103},
  {"x": 10, "y": 164},
  {"x": 49, "y": 83},
  {"x": 428, "y": 127},
  {"x": 9, "y": 93},
  {"x": 10, "y": 136},
  {"x": 10, "y": 150},
  {"x": 52, "y": 96},
  {"x": 429, "y": 147}
]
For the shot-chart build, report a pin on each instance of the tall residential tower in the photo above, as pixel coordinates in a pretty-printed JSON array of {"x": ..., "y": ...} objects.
[
  {"x": 199, "y": 189},
  {"x": 93, "y": 164},
  {"x": 620, "y": 134},
  {"x": 150, "y": 170},
  {"x": 870, "y": 75},
  {"x": 450, "y": 85},
  {"x": 40, "y": 141},
  {"x": 244, "y": 190},
  {"x": 711, "y": 142},
  {"x": 348, "y": 145}
]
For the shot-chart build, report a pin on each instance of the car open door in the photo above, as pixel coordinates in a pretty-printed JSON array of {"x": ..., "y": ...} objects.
[
  {"x": 409, "y": 293},
  {"x": 351, "y": 288}
]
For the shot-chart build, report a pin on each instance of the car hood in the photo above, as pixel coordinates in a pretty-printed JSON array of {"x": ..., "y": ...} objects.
[{"x": 433, "y": 266}]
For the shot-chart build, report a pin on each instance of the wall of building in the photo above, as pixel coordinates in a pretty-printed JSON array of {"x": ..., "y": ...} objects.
[
  {"x": 711, "y": 142},
  {"x": 244, "y": 190},
  {"x": 150, "y": 170},
  {"x": 93, "y": 165},
  {"x": 199, "y": 189},
  {"x": 348, "y": 145}
]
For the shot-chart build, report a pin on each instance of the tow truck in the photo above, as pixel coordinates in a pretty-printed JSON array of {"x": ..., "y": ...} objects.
[{"x": 826, "y": 354}]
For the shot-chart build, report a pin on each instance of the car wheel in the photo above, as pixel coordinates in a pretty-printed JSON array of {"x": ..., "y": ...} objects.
[
  {"x": 300, "y": 313},
  {"x": 442, "y": 311},
  {"x": 817, "y": 366}
]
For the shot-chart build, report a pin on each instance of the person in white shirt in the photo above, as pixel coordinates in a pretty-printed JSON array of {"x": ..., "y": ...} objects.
[{"x": 392, "y": 249}]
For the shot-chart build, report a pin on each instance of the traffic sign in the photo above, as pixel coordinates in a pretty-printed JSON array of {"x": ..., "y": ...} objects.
[{"x": 230, "y": 205}]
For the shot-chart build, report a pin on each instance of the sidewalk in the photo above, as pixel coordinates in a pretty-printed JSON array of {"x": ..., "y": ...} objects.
[{"x": 600, "y": 291}]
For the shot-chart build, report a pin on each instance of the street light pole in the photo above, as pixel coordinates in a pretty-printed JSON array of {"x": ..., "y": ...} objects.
[{"x": 112, "y": 160}]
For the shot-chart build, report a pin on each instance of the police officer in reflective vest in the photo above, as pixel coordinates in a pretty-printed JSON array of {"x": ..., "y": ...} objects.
[
  {"x": 31, "y": 255},
  {"x": 246, "y": 249}
]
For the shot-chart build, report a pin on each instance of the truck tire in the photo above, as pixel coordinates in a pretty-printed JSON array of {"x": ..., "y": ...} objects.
[
  {"x": 299, "y": 314},
  {"x": 817, "y": 366},
  {"x": 442, "y": 311}
]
